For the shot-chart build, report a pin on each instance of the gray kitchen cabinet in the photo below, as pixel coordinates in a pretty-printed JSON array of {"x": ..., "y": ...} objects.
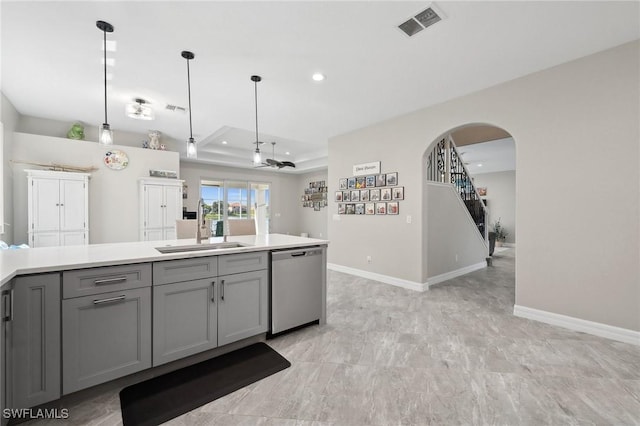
[
  {"x": 184, "y": 319},
  {"x": 34, "y": 340},
  {"x": 243, "y": 305},
  {"x": 105, "y": 336}
]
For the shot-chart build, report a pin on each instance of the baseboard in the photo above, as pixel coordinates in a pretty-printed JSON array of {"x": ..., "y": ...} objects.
[
  {"x": 597, "y": 329},
  {"x": 398, "y": 282},
  {"x": 453, "y": 274}
]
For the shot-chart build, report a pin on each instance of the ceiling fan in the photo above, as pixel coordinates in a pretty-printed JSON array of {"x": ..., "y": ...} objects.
[{"x": 272, "y": 162}]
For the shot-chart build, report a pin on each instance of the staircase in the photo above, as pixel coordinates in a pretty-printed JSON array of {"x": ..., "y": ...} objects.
[{"x": 445, "y": 165}]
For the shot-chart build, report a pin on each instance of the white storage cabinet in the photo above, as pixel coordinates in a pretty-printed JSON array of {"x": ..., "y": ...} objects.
[
  {"x": 160, "y": 207},
  {"x": 58, "y": 208}
]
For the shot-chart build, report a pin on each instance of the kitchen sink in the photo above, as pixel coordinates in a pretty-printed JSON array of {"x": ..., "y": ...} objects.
[{"x": 200, "y": 247}]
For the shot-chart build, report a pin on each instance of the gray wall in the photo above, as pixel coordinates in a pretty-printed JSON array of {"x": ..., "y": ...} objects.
[
  {"x": 501, "y": 199},
  {"x": 284, "y": 190},
  {"x": 9, "y": 117},
  {"x": 453, "y": 239},
  {"x": 312, "y": 222},
  {"x": 568, "y": 122}
]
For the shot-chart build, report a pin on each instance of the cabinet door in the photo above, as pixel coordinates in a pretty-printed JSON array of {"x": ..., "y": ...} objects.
[
  {"x": 45, "y": 239},
  {"x": 153, "y": 206},
  {"x": 172, "y": 207},
  {"x": 243, "y": 308},
  {"x": 170, "y": 233},
  {"x": 184, "y": 319},
  {"x": 76, "y": 238},
  {"x": 154, "y": 234},
  {"x": 105, "y": 336},
  {"x": 45, "y": 205},
  {"x": 36, "y": 340},
  {"x": 72, "y": 205}
]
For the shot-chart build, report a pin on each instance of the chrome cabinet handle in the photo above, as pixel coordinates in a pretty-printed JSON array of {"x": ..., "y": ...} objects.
[
  {"x": 110, "y": 280},
  {"x": 109, "y": 300},
  {"x": 7, "y": 305},
  {"x": 222, "y": 289},
  {"x": 213, "y": 292}
]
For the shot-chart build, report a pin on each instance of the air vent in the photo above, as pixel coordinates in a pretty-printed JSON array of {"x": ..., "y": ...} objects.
[
  {"x": 420, "y": 21},
  {"x": 175, "y": 108}
]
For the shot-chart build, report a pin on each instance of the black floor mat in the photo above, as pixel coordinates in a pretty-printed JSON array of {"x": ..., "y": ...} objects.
[{"x": 164, "y": 397}]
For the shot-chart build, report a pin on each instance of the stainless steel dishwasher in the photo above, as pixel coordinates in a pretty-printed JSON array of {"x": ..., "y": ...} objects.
[{"x": 296, "y": 288}]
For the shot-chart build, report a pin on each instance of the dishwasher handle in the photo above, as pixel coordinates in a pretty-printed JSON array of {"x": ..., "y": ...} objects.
[{"x": 289, "y": 254}]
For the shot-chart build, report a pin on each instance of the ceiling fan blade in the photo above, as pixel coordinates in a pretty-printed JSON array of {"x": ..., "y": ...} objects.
[
  {"x": 287, "y": 164},
  {"x": 272, "y": 162}
]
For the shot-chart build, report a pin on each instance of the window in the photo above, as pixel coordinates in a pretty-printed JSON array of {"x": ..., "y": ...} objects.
[{"x": 230, "y": 200}]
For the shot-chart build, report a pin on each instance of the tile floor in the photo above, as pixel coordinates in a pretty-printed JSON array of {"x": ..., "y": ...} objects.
[{"x": 454, "y": 355}]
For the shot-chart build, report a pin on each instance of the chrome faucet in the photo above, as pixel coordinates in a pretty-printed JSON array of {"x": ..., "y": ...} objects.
[{"x": 201, "y": 222}]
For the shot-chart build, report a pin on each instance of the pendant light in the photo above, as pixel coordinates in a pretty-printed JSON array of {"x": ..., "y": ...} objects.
[
  {"x": 192, "y": 151},
  {"x": 105, "y": 135},
  {"x": 257, "y": 157}
]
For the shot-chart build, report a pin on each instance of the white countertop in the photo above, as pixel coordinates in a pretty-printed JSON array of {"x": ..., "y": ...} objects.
[{"x": 49, "y": 259}]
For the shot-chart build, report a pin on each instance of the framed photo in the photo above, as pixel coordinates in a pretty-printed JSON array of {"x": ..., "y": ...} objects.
[
  {"x": 351, "y": 183},
  {"x": 364, "y": 195},
  {"x": 381, "y": 180},
  {"x": 341, "y": 209},
  {"x": 338, "y": 196},
  {"x": 355, "y": 195},
  {"x": 398, "y": 193},
  {"x": 342, "y": 183},
  {"x": 381, "y": 208},
  {"x": 374, "y": 195},
  {"x": 346, "y": 196},
  {"x": 385, "y": 194},
  {"x": 371, "y": 181},
  {"x": 360, "y": 182},
  {"x": 370, "y": 208},
  {"x": 360, "y": 208},
  {"x": 482, "y": 191},
  {"x": 351, "y": 209},
  {"x": 392, "y": 208},
  {"x": 316, "y": 207},
  {"x": 392, "y": 179}
]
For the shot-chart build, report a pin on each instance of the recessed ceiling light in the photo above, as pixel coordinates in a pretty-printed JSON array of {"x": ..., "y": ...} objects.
[
  {"x": 287, "y": 153},
  {"x": 317, "y": 76},
  {"x": 224, "y": 142},
  {"x": 479, "y": 164}
]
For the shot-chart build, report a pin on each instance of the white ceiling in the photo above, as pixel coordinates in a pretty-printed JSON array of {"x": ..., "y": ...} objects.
[
  {"x": 51, "y": 62},
  {"x": 489, "y": 157}
]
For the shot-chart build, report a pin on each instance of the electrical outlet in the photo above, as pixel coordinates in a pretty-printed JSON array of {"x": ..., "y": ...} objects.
[
  {"x": 408, "y": 218},
  {"x": 368, "y": 259}
]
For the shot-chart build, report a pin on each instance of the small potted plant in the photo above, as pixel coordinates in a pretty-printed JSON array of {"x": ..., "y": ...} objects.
[{"x": 501, "y": 234}]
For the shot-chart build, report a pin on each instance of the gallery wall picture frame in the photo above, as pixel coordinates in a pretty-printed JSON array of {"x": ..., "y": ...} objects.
[
  {"x": 381, "y": 180},
  {"x": 482, "y": 191},
  {"x": 355, "y": 195},
  {"x": 341, "y": 208},
  {"x": 392, "y": 179},
  {"x": 370, "y": 208},
  {"x": 346, "y": 195},
  {"x": 392, "y": 207},
  {"x": 360, "y": 182},
  {"x": 338, "y": 196},
  {"x": 398, "y": 193},
  {"x": 342, "y": 183},
  {"x": 364, "y": 195},
  {"x": 381, "y": 208},
  {"x": 359, "y": 208},
  {"x": 351, "y": 183},
  {"x": 374, "y": 194},
  {"x": 371, "y": 181},
  {"x": 385, "y": 194},
  {"x": 351, "y": 208}
]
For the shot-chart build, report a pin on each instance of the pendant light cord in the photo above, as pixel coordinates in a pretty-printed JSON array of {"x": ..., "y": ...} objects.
[
  {"x": 189, "y": 90},
  {"x": 105, "y": 76},
  {"x": 256, "y": 98}
]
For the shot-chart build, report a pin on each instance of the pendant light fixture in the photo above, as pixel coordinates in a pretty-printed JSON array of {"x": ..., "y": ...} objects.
[
  {"x": 105, "y": 135},
  {"x": 257, "y": 157},
  {"x": 192, "y": 151}
]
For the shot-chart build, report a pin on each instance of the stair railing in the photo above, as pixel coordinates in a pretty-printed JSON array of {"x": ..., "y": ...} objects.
[{"x": 445, "y": 165}]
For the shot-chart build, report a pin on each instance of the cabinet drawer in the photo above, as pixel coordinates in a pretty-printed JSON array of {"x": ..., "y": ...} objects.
[
  {"x": 243, "y": 262},
  {"x": 84, "y": 282},
  {"x": 174, "y": 271}
]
